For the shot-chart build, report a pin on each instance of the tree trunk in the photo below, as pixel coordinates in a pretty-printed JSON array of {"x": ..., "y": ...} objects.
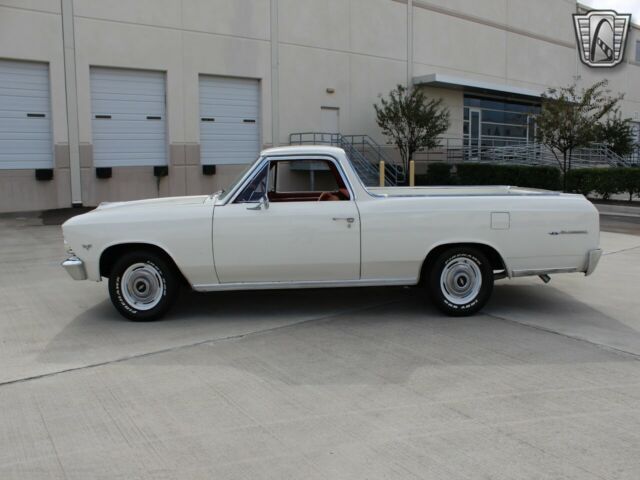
[{"x": 564, "y": 171}]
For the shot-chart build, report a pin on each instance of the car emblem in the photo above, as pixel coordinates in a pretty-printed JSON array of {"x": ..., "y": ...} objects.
[
  {"x": 601, "y": 37},
  {"x": 87, "y": 246}
]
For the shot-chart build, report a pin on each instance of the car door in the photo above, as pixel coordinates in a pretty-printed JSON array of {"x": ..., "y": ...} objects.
[{"x": 290, "y": 237}]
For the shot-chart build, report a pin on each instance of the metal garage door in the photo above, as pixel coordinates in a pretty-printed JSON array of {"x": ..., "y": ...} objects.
[
  {"x": 128, "y": 117},
  {"x": 229, "y": 120},
  {"x": 25, "y": 115}
]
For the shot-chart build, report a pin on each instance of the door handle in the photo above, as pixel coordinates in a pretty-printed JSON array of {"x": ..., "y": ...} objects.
[{"x": 347, "y": 219}]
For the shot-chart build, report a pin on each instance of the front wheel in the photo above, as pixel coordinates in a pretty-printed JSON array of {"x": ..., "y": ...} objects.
[
  {"x": 461, "y": 281},
  {"x": 142, "y": 286}
]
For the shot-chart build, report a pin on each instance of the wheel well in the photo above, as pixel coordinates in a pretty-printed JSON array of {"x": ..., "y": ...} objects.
[
  {"x": 111, "y": 255},
  {"x": 495, "y": 259}
]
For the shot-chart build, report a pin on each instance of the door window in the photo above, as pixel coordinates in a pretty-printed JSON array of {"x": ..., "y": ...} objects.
[
  {"x": 256, "y": 189},
  {"x": 306, "y": 181}
]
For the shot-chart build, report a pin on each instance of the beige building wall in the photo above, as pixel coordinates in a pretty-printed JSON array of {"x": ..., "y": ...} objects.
[
  {"x": 32, "y": 31},
  {"x": 330, "y": 53}
]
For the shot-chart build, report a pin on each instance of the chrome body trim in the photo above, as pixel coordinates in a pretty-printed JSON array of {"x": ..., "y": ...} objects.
[
  {"x": 543, "y": 271},
  {"x": 593, "y": 257},
  {"x": 75, "y": 268},
  {"x": 569, "y": 232},
  {"x": 378, "y": 282}
]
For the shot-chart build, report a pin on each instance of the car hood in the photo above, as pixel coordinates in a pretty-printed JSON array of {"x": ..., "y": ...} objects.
[{"x": 154, "y": 202}]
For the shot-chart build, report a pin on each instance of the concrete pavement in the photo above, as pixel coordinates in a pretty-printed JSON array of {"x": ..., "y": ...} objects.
[{"x": 353, "y": 383}]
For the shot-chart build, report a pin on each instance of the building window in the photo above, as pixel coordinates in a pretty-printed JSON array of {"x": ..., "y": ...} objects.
[{"x": 490, "y": 122}]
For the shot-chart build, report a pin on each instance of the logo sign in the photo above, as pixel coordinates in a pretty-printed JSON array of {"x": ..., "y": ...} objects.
[{"x": 601, "y": 36}]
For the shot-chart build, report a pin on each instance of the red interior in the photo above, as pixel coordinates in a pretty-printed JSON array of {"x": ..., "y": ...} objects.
[{"x": 341, "y": 194}]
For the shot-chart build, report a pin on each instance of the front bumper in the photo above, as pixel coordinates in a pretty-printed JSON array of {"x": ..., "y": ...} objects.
[
  {"x": 593, "y": 257},
  {"x": 75, "y": 268}
]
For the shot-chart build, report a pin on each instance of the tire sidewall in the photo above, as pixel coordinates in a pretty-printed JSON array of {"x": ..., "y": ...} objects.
[
  {"x": 167, "y": 278},
  {"x": 484, "y": 293}
]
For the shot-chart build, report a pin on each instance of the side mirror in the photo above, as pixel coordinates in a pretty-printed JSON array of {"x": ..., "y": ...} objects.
[{"x": 262, "y": 203}]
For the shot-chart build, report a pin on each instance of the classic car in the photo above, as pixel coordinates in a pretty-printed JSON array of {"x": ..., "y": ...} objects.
[{"x": 299, "y": 217}]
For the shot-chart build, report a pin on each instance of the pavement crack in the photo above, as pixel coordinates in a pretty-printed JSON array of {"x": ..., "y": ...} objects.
[
  {"x": 602, "y": 346},
  {"x": 209, "y": 341},
  {"x": 621, "y": 251}
]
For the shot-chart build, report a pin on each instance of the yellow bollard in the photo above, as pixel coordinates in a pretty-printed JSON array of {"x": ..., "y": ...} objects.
[
  {"x": 412, "y": 173},
  {"x": 382, "y": 173}
]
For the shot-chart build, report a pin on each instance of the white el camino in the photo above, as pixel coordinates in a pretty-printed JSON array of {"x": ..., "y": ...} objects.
[{"x": 299, "y": 217}]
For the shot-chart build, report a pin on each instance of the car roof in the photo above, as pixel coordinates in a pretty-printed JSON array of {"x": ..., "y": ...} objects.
[{"x": 303, "y": 150}]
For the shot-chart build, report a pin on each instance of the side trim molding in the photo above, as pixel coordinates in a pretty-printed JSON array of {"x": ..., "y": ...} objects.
[{"x": 377, "y": 282}]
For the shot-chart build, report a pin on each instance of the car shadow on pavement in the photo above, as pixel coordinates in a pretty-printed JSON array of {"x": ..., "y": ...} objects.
[{"x": 371, "y": 335}]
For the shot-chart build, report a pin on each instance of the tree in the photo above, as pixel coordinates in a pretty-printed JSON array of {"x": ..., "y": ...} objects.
[
  {"x": 569, "y": 119},
  {"x": 411, "y": 120},
  {"x": 617, "y": 133}
]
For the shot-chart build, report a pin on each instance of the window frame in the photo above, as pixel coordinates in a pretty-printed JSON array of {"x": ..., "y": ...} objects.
[{"x": 250, "y": 175}]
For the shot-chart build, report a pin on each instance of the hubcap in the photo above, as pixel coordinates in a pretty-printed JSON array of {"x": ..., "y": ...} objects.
[
  {"x": 460, "y": 280},
  {"x": 142, "y": 286}
]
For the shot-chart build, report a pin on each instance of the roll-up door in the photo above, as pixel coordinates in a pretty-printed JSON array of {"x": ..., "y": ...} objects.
[
  {"x": 229, "y": 120},
  {"x": 25, "y": 115},
  {"x": 128, "y": 117}
]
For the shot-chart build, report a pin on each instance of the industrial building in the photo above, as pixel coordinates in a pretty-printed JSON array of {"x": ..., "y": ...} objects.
[{"x": 125, "y": 99}]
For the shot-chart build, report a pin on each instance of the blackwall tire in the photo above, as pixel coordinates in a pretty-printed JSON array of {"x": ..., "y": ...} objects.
[
  {"x": 461, "y": 281},
  {"x": 143, "y": 286}
]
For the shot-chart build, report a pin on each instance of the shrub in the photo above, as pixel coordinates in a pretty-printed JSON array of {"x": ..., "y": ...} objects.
[
  {"x": 437, "y": 174},
  {"x": 581, "y": 180},
  {"x": 519, "y": 175},
  {"x": 605, "y": 181},
  {"x": 628, "y": 181}
]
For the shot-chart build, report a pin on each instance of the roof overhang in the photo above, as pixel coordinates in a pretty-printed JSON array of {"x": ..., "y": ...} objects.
[{"x": 470, "y": 85}]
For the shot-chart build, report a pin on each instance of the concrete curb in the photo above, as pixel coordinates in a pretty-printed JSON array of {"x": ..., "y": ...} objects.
[{"x": 619, "y": 210}]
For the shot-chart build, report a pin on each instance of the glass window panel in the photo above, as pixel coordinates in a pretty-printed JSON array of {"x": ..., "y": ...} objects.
[
  {"x": 256, "y": 189},
  {"x": 498, "y": 130}
]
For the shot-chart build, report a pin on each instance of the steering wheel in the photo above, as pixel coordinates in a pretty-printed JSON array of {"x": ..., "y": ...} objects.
[{"x": 325, "y": 196}]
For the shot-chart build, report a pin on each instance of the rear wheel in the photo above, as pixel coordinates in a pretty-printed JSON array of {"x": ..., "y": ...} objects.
[
  {"x": 461, "y": 281},
  {"x": 143, "y": 286}
]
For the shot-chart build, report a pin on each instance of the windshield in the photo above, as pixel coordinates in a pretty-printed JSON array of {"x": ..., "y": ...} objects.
[{"x": 232, "y": 186}]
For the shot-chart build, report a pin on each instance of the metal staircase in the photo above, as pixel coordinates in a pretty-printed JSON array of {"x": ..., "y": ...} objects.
[{"x": 362, "y": 151}]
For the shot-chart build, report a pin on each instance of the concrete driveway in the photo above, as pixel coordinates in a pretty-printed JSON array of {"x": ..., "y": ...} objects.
[{"x": 327, "y": 384}]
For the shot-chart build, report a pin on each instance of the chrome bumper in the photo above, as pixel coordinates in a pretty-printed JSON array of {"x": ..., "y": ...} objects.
[
  {"x": 75, "y": 268},
  {"x": 593, "y": 257}
]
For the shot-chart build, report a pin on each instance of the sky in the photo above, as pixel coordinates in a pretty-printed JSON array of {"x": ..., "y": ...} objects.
[{"x": 620, "y": 6}]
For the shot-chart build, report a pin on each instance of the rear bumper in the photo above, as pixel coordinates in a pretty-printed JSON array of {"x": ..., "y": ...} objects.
[
  {"x": 75, "y": 268},
  {"x": 593, "y": 257}
]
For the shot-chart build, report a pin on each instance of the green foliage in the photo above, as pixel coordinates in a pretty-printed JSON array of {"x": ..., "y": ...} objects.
[
  {"x": 411, "y": 120},
  {"x": 570, "y": 119},
  {"x": 616, "y": 132},
  {"x": 520, "y": 175},
  {"x": 487, "y": 174},
  {"x": 605, "y": 181},
  {"x": 438, "y": 174},
  {"x": 581, "y": 181}
]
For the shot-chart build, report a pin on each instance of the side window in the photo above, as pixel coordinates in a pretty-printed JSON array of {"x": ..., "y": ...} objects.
[
  {"x": 306, "y": 180},
  {"x": 256, "y": 189}
]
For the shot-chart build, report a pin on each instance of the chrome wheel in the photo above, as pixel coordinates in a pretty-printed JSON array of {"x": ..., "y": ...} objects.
[
  {"x": 460, "y": 280},
  {"x": 142, "y": 286}
]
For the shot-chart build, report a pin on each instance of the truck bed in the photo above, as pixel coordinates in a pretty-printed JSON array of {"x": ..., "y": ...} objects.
[{"x": 492, "y": 190}]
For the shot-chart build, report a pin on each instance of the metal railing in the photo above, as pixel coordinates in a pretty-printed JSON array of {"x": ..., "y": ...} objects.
[
  {"x": 394, "y": 172},
  {"x": 456, "y": 150},
  {"x": 363, "y": 153}
]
